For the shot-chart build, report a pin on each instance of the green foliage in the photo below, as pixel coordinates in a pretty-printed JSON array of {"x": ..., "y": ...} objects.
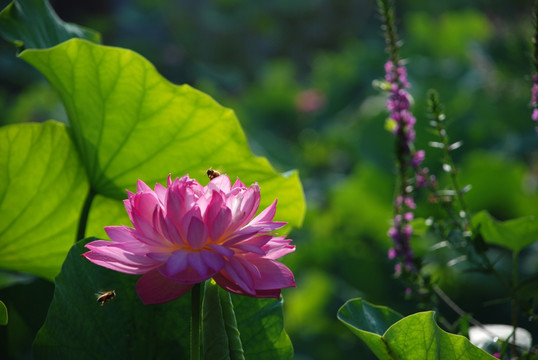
[
  {"x": 42, "y": 189},
  {"x": 126, "y": 123},
  {"x": 261, "y": 326},
  {"x": 369, "y": 322},
  {"x": 502, "y": 185},
  {"x": 475, "y": 55},
  {"x": 32, "y": 24},
  {"x": 514, "y": 234},
  {"x": 3, "y": 314},
  {"x": 77, "y": 324},
  {"x": 417, "y": 336},
  {"x": 141, "y": 126},
  {"x": 221, "y": 335},
  {"x": 455, "y": 30},
  {"x": 240, "y": 327},
  {"x": 138, "y": 125}
]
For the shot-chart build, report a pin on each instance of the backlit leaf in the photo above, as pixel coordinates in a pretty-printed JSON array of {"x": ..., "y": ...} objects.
[
  {"x": 129, "y": 123},
  {"x": 513, "y": 234},
  {"x": 42, "y": 189}
]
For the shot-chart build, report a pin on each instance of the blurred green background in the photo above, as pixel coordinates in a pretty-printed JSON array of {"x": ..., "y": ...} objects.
[{"x": 299, "y": 76}]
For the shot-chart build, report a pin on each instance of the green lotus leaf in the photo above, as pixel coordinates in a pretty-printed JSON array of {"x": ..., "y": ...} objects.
[
  {"x": 77, "y": 326},
  {"x": 415, "y": 337},
  {"x": 130, "y": 123},
  {"x": 33, "y": 24},
  {"x": 42, "y": 188},
  {"x": 3, "y": 314},
  {"x": 221, "y": 336}
]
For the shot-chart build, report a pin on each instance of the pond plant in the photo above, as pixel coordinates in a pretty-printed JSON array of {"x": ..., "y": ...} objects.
[{"x": 165, "y": 235}]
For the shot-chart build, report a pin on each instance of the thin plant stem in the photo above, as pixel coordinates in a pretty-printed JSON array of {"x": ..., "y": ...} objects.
[
  {"x": 535, "y": 38},
  {"x": 196, "y": 320},
  {"x": 83, "y": 220},
  {"x": 447, "y": 300},
  {"x": 391, "y": 39},
  {"x": 515, "y": 266},
  {"x": 438, "y": 117}
]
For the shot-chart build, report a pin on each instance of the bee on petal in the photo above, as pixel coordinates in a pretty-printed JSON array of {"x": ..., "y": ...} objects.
[
  {"x": 105, "y": 296},
  {"x": 211, "y": 174}
]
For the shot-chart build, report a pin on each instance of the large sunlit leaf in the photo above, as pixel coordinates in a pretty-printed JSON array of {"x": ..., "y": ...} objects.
[
  {"x": 77, "y": 326},
  {"x": 415, "y": 337},
  {"x": 42, "y": 189},
  {"x": 513, "y": 234},
  {"x": 106, "y": 211},
  {"x": 130, "y": 123},
  {"x": 33, "y": 24},
  {"x": 123, "y": 328}
]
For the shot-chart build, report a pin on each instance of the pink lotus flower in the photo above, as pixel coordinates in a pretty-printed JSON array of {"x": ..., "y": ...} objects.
[{"x": 186, "y": 233}]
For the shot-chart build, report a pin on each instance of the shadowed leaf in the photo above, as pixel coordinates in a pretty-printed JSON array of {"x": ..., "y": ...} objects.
[
  {"x": 33, "y": 24},
  {"x": 415, "y": 337},
  {"x": 3, "y": 314},
  {"x": 123, "y": 328}
]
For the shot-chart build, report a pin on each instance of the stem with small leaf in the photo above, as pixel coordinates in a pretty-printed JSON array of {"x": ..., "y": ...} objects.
[{"x": 196, "y": 319}]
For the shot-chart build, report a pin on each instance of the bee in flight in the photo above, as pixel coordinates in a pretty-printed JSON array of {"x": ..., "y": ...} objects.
[
  {"x": 105, "y": 296},
  {"x": 211, "y": 174}
]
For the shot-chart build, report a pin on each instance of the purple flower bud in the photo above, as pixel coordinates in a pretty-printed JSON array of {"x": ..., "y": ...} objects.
[
  {"x": 389, "y": 66},
  {"x": 409, "y": 202},
  {"x": 393, "y": 233},
  {"x": 397, "y": 269},
  {"x": 418, "y": 158},
  {"x": 407, "y": 231}
]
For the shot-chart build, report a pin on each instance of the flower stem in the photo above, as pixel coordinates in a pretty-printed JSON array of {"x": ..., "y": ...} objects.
[
  {"x": 389, "y": 27},
  {"x": 438, "y": 118},
  {"x": 196, "y": 319},
  {"x": 514, "y": 304},
  {"x": 81, "y": 231}
]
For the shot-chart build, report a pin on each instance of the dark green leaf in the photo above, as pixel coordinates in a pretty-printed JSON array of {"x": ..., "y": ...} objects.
[
  {"x": 33, "y": 24},
  {"x": 261, "y": 325},
  {"x": 221, "y": 335},
  {"x": 513, "y": 234},
  {"x": 3, "y": 313},
  {"x": 78, "y": 327},
  {"x": 414, "y": 337},
  {"x": 369, "y": 322},
  {"x": 42, "y": 188}
]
